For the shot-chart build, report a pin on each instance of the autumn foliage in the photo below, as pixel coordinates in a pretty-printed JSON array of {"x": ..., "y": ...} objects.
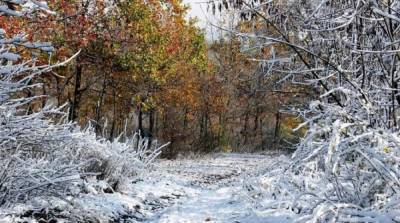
[{"x": 143, "y": 66}]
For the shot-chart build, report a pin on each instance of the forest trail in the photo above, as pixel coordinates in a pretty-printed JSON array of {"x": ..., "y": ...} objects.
[{"x": 211, "y": 189}]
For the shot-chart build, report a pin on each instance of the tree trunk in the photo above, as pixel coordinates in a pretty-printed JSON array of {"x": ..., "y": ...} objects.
[
  {"x": 140, "y": 119},
  {"x": 277, "y": 126},
  {"x": 151, "y": 126},
  {"x": 77, "y": 93},
  {"x": 246, "y": 118},
  {"x": 111, "y": 137},
  {"x": 100, "y": 104}
]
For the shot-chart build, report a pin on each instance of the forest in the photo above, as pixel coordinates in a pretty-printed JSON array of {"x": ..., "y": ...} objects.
[{"x": 126, "y": 111}]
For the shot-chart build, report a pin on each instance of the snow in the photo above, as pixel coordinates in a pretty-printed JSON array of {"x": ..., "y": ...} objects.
[
  {"x": 10, "y": 56},
  {"x": 214, "y": 188},
  {"x": 51, "y": 168},
  {"x": 346, "y": 168}
]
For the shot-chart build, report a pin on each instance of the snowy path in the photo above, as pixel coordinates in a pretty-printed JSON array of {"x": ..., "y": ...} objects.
[
  {"x": 217, "y": 188},
  {"x": 208, "y": 190}
]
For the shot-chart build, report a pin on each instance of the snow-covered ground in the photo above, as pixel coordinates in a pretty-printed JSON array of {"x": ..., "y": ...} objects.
[
  {"x": 214, "y": 188},
  {"x": 211, "y": 189}
]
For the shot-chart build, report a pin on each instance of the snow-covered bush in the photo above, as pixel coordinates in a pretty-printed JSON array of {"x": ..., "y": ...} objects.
[
  {"x": 346, "y": 169},
  {"x": 117, "y": 160},
  {"x": 41, "y": 154}
]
